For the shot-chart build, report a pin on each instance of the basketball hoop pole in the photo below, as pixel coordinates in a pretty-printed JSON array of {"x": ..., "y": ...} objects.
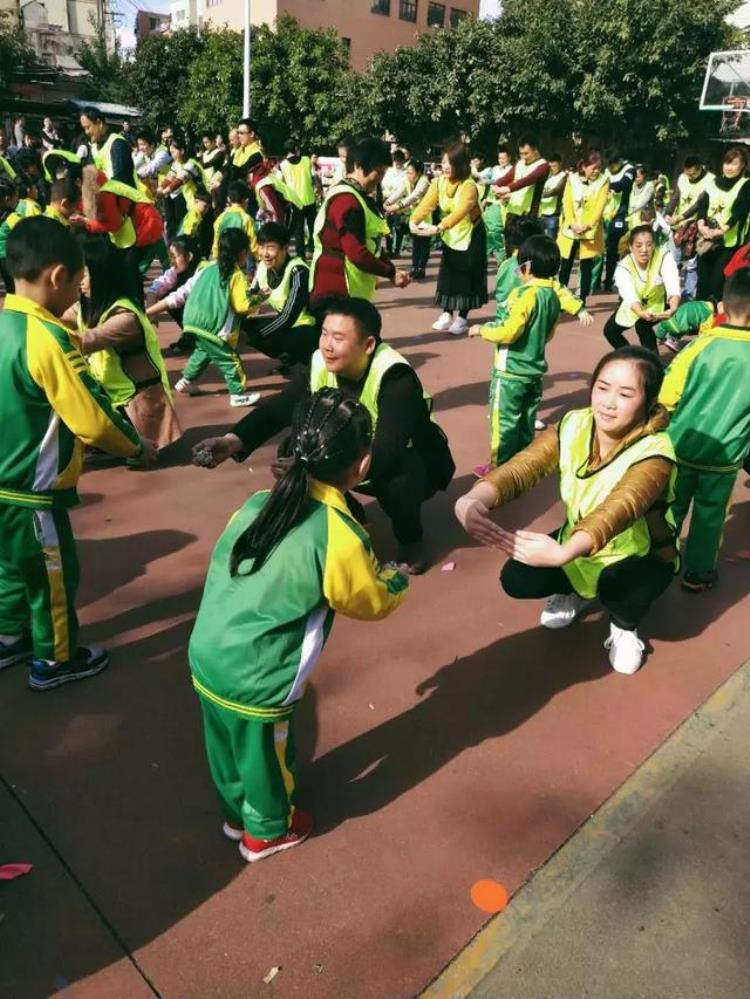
[{"x": 246, "y": 65}]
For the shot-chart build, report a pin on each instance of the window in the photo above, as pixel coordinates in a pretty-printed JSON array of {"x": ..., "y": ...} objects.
[
  {"x": 457, "y": 16},
  {"x": 381, "y": 7},
  {"x": 435, "y": 15},
  {"x": 347, "y": 43},
  {"x": 407, "y": 10}
]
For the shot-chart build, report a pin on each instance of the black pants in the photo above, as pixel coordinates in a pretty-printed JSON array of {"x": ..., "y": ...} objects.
[
  {"x": 711, "y": 273},
  {"x": 615, "y": 231},
  {"x": 175, "y": 210},
  {"x": 402, "y": 495},
  {"x": 587, "y": 267},
  {"x": 298, "y": 219},
  {"x": 645, "y": 331},
  {"x": 293, "y": 346},
  {"x": 420, "y": 252},
  {"x": 626, "y": 589},
  {"x": 395, "y": 239}
]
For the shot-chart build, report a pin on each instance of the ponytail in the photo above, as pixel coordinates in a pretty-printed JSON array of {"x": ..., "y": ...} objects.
[
  {"x": 329, "y": 433},
  {"x": 232, "y": 243}
]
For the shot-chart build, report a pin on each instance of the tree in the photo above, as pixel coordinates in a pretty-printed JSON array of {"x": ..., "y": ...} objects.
[
  {"x": 16, "y": 56},
  {"x": 157, "y": 80},
  {"x": 214, "y": 87},
  {"x": 105, "y": 70}
]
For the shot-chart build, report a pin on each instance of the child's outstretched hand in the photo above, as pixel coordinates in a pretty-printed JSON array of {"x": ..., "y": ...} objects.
[{"x": 585, "y": 318}]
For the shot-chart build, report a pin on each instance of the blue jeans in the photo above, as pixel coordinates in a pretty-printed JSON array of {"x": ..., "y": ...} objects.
[{"x": 551, "y": 224}]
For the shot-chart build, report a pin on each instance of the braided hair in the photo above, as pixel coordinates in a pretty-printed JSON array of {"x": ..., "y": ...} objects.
[{"x": 330, "y": 432}]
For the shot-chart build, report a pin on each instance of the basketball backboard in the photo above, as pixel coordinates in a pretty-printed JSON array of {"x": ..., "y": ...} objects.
[{"x": 727, "y": 83}]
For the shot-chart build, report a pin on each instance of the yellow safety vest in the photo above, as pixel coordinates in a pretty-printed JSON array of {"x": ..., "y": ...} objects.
[
  {"x": 649, "y": 286},
  {"x": 583, "y": 491},
  {"x": 720, "y": 204},
  {"x": 635, "y": 217},
  {"x": 584, "y": 195},
  {"x": 520, "y": 201},
  {"x": 550, "y": 202},
  {"x": 689, "y": 191},
  {"x": 106, "y": 365},
  {"x": 242, "y": 154},
  {"x": 298, "y": 178},
  {"x": 279, "y": 295},
  {"x": 51, "y": 212},
  {"x": 102, "y": 155},
  {"x": 125, "y": 236},
  {"x": 62, "y": 154},
  {"x": 359, "y": 283},
  {"x": 458, "y": 236},
  {"x": 7, "y": 168},
  {"x": 278, "y": 185}
]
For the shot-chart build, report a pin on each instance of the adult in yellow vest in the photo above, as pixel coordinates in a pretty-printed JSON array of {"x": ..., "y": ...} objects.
[
  {"x": 110, "y": 151},
  {"x": 287, "y": 330},
  {"x": 581, "y": 227},
  {"x": 462, "y": 280},
  {"x": 550, "y": 206},
  {"x": 680, "y": 213},
  {"x": 121, "y": 345},
  {"x": 411, "y": 459},
  {"x": 179, "y": 185},
  {"x": 520, "y": 193},
  {"x": 617, "y": 470},
  {"x": 642, "y": 195},
  {"x": 648, "y": 284},
  {"x": 349, "y": 231},
  {"x": 723, "y": 211},
  {"x": 297, "y": 173}
]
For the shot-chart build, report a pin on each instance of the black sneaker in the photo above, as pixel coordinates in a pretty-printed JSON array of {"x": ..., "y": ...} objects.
[
  {"x": 697, "y": 582},
  {"x": 89, "y": 661},
  {"x": 412, "y": 558},
  {"x": 15, "y": 652}
]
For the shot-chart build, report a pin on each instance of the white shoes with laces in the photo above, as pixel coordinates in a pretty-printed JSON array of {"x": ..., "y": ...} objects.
[
  {"x": 561, "y": 609},
  {"x": 443, "y": 322},
  {"x": 458, "y": 327},
  {"x": 625, "y": 650}
]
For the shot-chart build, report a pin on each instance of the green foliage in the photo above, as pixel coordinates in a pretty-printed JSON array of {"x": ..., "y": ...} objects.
[
  {"x": 214, "y": 84},
  {"x": 16, "y": 57},
  {"x": 105, "y": 70},
  {"x": 157, "y": 80}
]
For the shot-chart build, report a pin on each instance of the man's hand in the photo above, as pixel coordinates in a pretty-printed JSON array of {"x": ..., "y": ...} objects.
[
  {"x": 475, "y": 519},
  {"x": 213, "y": 451},
  {"x": 585, "y": 318},
  {"x": 401, "y": 279}
]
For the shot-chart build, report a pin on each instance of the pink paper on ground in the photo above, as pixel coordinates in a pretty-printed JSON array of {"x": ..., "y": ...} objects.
[{"x": 10, "y": 871}]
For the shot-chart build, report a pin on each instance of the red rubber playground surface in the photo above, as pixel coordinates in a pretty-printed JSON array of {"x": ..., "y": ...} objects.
[{"x": 456, "y": 742}]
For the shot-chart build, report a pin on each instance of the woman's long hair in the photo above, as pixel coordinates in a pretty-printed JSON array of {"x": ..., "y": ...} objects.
[
  {"x": 329, "y": 433},
  {"x": 232, "y": 243},
  {"x": 111, "y": 276}
]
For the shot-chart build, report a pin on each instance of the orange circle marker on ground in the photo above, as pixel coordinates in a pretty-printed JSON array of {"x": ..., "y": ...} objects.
[{"x": 489, "y": 896}]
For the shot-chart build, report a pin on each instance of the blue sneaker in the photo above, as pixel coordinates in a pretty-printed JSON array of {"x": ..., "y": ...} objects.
[
  {"x": 89, "y": 661},
  {"x": 15, "y": 652}
]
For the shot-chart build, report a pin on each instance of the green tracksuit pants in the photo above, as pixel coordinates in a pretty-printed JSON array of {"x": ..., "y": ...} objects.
[
  {"x": 513, "y": 405},
  {"x": 252, "y": 763},
  {"x": 710, "y": 493},
  {"x": 493, "y": 221},
  {"x": 223, "y": 355},
  {"x": 39, "y": 576}
]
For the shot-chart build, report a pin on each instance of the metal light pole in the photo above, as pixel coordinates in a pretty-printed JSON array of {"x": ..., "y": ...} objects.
[{"x": 246, "y": 65}]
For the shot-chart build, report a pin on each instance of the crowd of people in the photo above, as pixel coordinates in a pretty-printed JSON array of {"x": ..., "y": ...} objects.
[{"x": 85, "y": 229}]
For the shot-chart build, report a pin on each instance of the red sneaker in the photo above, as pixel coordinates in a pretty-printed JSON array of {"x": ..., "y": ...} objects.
[
  {"x": 233, "y": 832},
  {"x": 253, "y": 849}
]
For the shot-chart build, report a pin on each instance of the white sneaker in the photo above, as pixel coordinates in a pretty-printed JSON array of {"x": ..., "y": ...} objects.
[
  {"x": 540, "y": 425},
  {"x": 458, "y": 327},
  {"x": 561, "y": 609},
  {"x": 245, "y": 399},
  {"x": 186, "y": 386},
  {"x": 443, "y": 323},
  {"x": 625, "y": 650}
]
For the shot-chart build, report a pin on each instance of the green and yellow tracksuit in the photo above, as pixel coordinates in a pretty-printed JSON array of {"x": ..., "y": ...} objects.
[
  {"x": 509, "y": 277},
  {"x": 235, "y": 217},
  {"x": 25, "y": 209},
  {"x": 212, "y": 314},
  {"x": 706, "y": 390},
  {"x": 50, "y": 406},
  {"x": 257, "y": 638},
  {"x": 516, "y": 383},
  {"x": 689, "y": 318}
]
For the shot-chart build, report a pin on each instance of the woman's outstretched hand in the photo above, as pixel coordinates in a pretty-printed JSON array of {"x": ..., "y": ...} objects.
[
  {"x": 475, "y": 519},
  {"x": 535, "y": 549}
]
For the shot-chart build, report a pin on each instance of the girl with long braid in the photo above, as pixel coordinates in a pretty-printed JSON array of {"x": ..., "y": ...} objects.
[{"x": 285, "y": 563}]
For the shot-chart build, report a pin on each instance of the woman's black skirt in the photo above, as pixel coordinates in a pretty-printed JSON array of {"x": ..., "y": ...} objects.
[{"x": 462, "y": 280}]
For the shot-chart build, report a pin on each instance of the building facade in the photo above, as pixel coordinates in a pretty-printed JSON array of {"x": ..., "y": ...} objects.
[
  {"x": 150, "y": 22},
  {"x": 365, "y": 26},
  {"x": 56, "y": 29}
]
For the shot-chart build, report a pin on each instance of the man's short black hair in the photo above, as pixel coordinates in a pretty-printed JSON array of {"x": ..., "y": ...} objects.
[
  {"x": 692, "y": 160},
  {"x": 146, "y": 135},
  {"x": 528, "y": 140},
  {"x": 368, "y": 154},
  {"x": 274, "y": 232},
  {"x": 92, "y": 113},
  {"x": 543, "y": 255},
  {"x": 291, "y": 146},
  {"x": 614, "y": 156},
  {"x": 555, "y": 158},
  {"x": 238, "y": 192},
  {"x": 366, "y": 317},
  {"x": 62, "y": 188},
  {"x": 519, "y": 228},
  {"x": 38, "y": 243},
  {"x": 736, "y": 295}
]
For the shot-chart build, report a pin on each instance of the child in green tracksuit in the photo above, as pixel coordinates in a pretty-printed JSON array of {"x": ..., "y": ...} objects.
[
  {"x": 285, "y": 563},
  {"x": 706, "y": 391},
  {"x": 691, "y": 317},
  {"x": 526, "y": 321},
  {"x": 217, "y": 301}
]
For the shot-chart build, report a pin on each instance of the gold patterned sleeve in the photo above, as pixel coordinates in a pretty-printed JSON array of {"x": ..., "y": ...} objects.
[
  {"x": 515, "y": 477},
  {"x": 636, "y": 495}
]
